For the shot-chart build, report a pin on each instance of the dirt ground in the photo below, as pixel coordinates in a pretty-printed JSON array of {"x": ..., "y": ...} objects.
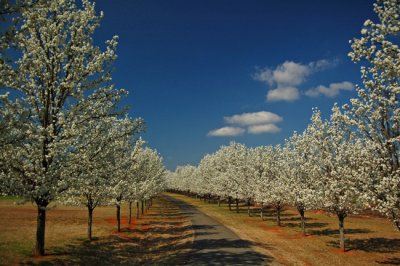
[
  {"x": 165, "y": 234},
  {"x": 369, "y": 240},
  {"x": 158, "y": 237}
]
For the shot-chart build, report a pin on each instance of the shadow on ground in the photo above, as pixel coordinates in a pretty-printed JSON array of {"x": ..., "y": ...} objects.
[
  {"x": 330, "y": 232},
  {"x": 391, "y": 261},
  {"x": 157, "y": 238},
  {"x": 376, "y": 244},
  {"x": 216, "y": 245},
  {"x": 223, "y": 252}
]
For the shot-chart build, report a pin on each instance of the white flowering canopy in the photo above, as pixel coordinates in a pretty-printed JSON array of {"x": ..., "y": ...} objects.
[
  {"x": 376, "y": 111},
  {"x": 57, "y": 82}
]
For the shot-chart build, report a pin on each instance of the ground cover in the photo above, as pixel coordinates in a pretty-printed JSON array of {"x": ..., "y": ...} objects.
[
  {"x": 370, "y": 240},
  {"x": 158, "y": 237}
]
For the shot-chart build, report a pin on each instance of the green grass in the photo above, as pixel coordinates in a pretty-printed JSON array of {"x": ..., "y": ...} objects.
[
  {"x": 14, "y": 251},
  {"x": 10, "y": 198}
]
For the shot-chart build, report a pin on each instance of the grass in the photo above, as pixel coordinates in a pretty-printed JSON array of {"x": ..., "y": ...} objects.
[
  {"x": 10, "y": 198},
  {"x": 164, "y": 234},
  {"x": 158, "y": 237},
  {"x": 370, "y": 240}
]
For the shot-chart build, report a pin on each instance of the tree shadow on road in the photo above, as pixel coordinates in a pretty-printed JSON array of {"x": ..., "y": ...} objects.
[{"x": 224, "y": 252}]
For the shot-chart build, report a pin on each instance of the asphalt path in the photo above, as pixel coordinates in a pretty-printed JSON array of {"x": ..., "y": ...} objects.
[{"x": 215, "y": 244}]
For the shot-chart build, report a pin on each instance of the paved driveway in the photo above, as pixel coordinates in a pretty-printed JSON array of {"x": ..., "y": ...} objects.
[{"x": 214, "y": 244}]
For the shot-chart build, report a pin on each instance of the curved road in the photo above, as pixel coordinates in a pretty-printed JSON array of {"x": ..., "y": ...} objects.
[{"x": 214, "y": 244}]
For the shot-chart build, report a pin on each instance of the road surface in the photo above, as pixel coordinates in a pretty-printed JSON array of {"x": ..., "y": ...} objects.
[{"x": 214, "y": 244}]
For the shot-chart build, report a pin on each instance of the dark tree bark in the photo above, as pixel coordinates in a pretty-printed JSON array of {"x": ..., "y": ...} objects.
[
  {"x": 119, "y": 218},
  {"x": 301, "y": 210},
  {"x": 137, "y": 209},
  {"x": 341, "y": 215},
  {"x": 90, "y": 222},
  {"x": 278, "y": 208},
  {"x": 262, "y": 211},
  {"x": 237, "y": 205},
  {"x": 396, "y": 221},
  {"x": 130, "y": 212},
  {"x": 219, "y": 201},
  {"x": 230, "y": 203},
  {"x": 40, "y": 229},
  {"x": 142, "y": 207},
  {"x": 248, "y": 207}
]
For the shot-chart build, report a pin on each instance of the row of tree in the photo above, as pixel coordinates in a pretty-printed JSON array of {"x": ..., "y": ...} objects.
[
  {"x": 63, "y": 133},
  {"x": 344, "y": 164}
]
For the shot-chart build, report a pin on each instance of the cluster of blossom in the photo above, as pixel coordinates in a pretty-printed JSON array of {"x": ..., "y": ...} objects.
[
  {"x": 322, "y": 168},
  {"x": 375, "y": 113},
  {"x": 62, "y": 133},
  {"x": 343, "y": 165}
]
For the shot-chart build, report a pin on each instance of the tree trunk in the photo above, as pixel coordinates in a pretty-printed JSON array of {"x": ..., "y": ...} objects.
[
  {"x": 137, "y": 209},
  {"x": 119, "y": 218},
  {"x": 278, "y": 214},
  {"x": 237, "y": 205},
  {"x": 40, "y": 230},
  {"x": 219, "y": 201},
  {"x": 300, "y": 208},
  {"x": 248, "y": 207},
  {"x": 341, "y": 216},
  {"x": 90, "y": 222},
  {"x": 397, "y": 224},
  {"x": 130, "y": 213},
  {"x": 230, "y": 203},
  {"x": 142, "y": 207},
  {"x": 261, "y": 211},
  {"x": 396, "y": 220}
]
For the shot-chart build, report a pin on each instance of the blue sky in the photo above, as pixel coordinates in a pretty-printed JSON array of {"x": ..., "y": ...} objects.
[{"x": 204, "y": 73}]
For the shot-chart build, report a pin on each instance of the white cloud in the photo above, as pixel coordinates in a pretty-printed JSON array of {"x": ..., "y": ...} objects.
[
  {"x": 256, "y": 123},
  {"x": 256, "y": 118},
  {"x": 268, "y": 128},
  {"x": 322, "y": 64},
  {"x": 288, "y": 94},
  {"x": 287, "y": 74},
  {"x": 226, "y": 132},
  {"x": 331, "y": 91},
  {"x": 284, "y": 79}
]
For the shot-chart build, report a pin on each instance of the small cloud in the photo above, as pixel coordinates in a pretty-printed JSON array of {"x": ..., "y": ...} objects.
[
  {"x": 331, "y": 91},
  {"x": 256, "y": 118},
  {"x": 264, "y": 75},
  {"x": 226, "y": 132},
  {"x": 287, "y": 74},
  {"x": 288, "y": 94},
  {"x": 322, "y": 64},
  {"x": 268, "y": 128},
  {"x": 286, "y": 77}
]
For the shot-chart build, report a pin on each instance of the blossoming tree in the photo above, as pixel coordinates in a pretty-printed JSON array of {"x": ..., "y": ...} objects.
[
  {"x": 60, "y": 79},
  {"x": 91, "y": 176},
  {"x": 340, "y": 164},
  {"x": 376, "y": 110},
  {"x": 303, "y": 192}
]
